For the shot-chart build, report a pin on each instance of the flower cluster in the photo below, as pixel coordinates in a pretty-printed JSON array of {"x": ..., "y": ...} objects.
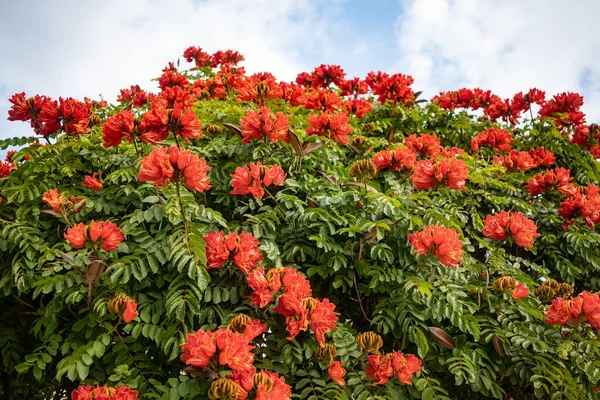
[
  {"x": 574, "y": 311},
  {"x": 244, "y": 247},
  {"x": 424, "y": 145},
  {"x": 255, "y": 178},
  {"x": 266, "y": 385},
  {"x": 260, "y": 123},
  {"x": 60, "y": 204},
  {"x": 399, "y": 159},
  {"x": 449, "y": 172},
  {"x": 86, "y": 392},
  {"x": 124, "y": 306},
  {"x": 328, "y": 124},
  {"x": 518, "y": 290},
  {"x": 498, "y": 139},
  {"x": 105, "y": 232},
  {"x": 523, "y": 160},
  {"x": 558, "y": 179},
  {"x": 443, "y": 243},
  {"x": 504, "y": 225},
  {"x": 294, "y": 302},
  {"x": 384, "y": 366},
  {"x": 583, "y": 202},
  {"x": 163, "y": 166}
]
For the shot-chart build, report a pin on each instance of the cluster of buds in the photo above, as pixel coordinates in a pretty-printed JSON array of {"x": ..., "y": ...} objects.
[
  {"x": 123, "y": 306},
  {"x": 552, "y": 289},
  {"x": 363, "y": 170},
  {"x": 504, "y": 283}
]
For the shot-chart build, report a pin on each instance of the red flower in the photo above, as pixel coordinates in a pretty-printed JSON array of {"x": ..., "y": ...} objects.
[
  {"x": 179, "y": 120},
  {"x": 380, "y": 368},
  {"x": 276, "y": 390},
  {"x": 324, "y": 75},
  {"x": 104, "y": 393},
  {"x": 117, "y": 127},
  {"x": 73, "y": 114},
  {"x": 92, "y": 182},
  {"x": 398, "y": 159},
  {"x": 395, "y": 88},
  {"x": 217, "y": 250},
  {"x": 330, "y": 125},
  {"x": 558, "y": 179},
  {"x": 109, "y": 234},
  {"x": 130, "y": 311},
  {"x": 358, "y": 107},
  {"x": 507, "y": 224},
  {"x": 199, "y": 349},
  {"x": 250, "y": 180},
  {"x": 514, "y": 160},
  {"x": 591, "y": 308},
  {"x": 6, "y": 168},
  {"x": 424, "y": 145},
  {"x": 499, "y": 139},
  {"x": 262, "y": 294},
  {"x": 563, "y": 310},
  {"x": 54, "y": 199},
  {"x": 83, "y": 392},
  {"x": 134, "y": 95},
  {"x": 323, "y": 319},
  {"x": 257, "y": 89},
  {"x": 163, "y": 168},
  {"x": 337, "y": 372},
  {"x": 298, "y": 321},
  {"x": 234, "y": 350},
  {"x": 540, "y": 156},
  {"x": 442, "y": 242},
  {"x": 536, "y": 96},
  {"x": 322, "y": 100},
  {"x": 171, "y": 78},
  {"x": 200, "y": 58},
  {"x": 450, "y": 172},
  {"x": 248, "y": 253},
  {"x": 77, "y": 235},
  {"x": 258, "y": 123},
  {"x": 520, "y": 291},
  {"x": 405, "y": 366}
]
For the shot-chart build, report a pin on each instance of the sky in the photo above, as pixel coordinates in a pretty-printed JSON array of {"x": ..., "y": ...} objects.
[{"x": 90, "y": 48}]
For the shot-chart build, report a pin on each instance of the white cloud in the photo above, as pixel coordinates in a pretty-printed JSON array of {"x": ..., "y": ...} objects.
[
  {"x": 80, "y": 48},
  {"x": 505, "y": 46}
]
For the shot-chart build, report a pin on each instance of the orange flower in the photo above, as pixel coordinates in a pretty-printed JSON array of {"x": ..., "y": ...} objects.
[
  {"x": 323, "y": 319},
  {"x": 54, "y": 199},
  {"x": 199, "y": 349},
  {"x": 450, "y": 172},
  {"x": 109, "y": 234},
  {"x": 331, "y": 125},
  {"x": 508, "y": 224},
  {"x": 275, "y": 389},
  {"x": 217, "y": 251},
  {"x": 261, "y": 295},
  {"x": 130, "y": 311},
  {"x": 179, "y": 120},
  {"x": 104, "y": 393},
  {"x": 514, "y": 160},
  {"x": 405, "y": 366},
  {"x": 358, "y": 107},
  {"x": 520, "y": 291},
  {"x": 163, "y": 168},
  {"x": 380, "y": 368},
  {"x": 558, "y": 179},
  {"x": 563, "y": 310},
  {"x": 77, "y": 235},
  {"x": 425, "y": 146},
  {"x": 258, "y": 123},
  {"x": 92, "y": 182},
  {"x": 439, "y": 241},
  {"x": 398, "y": 159},
  {"x": 248, "y": 254},
  {"x": 117, "y": 127},
  {"x": 337, "y": 372},
  {"x": 591, "y": 308},
  {"x": 250, "y": 180},
  {"x": 234, "y": 350},
  {"x": 499, "y": 139},
  {"x": 298, "y": 321}
]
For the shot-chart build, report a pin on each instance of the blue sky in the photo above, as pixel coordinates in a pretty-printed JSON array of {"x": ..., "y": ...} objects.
[{"x": 84, "y": 48}]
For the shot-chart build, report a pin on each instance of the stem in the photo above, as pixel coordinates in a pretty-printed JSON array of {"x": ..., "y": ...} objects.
[
  {"x": 185, "y": 222},
  {"x": 176, "y": 140},
  {"x": 356, "y": 284},
  {"x": 135, "y": 146}
]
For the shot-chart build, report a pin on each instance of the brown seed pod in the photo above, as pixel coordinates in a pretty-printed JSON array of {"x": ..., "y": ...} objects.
[
  {"x": 116, "y": 305},
  {"x": 504, "y": 282},
  {"x": 213, "y": 129},
  {"x": 327, "y": 353},
  {"x": 309, "y": 303},
  {"x": 552, "y": 283},
  {"x": 545, "y": 293},
  {"x": 369, "y": 341},
  {"x": 358, "y": 141},
  {"x": 363, "y": 170},
  {"x": 262, "y": 379},
  {"x": 223, "y": 389},
  {"x": 369, "y": 127},
  {"x": 262, "y": 89},
  {"x": 564, "y": 289},
  {"x": 238, "y": 323}
]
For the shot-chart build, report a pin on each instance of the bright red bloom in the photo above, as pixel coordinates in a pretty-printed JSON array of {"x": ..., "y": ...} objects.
[
  {"x": 163, "y": 168},
  {"x": 134, "y": 96},
  {"x": 199, "y": 57},
  {"x": 104, "y": 393},
  {"x": 297, "y": 322},
  {"x": 330, "y": 125},
  {"x": 405, "y": 366},
  {"x": 253, "y": 329},
  {"x": 450, "y": 172},
  {"x": 54, "y": 199},
  {"x": 108, "y": 233},
  {"x": 354, "y": 87},
  {"x": 323, "y": 319},
  {"x": 563, "y": 310},
  {"x": 508, "y": 224},
  {"x": 395, "y": 88},
  {"x": 248, "y": 253},
  {"x": 499, "y": 139},
  {"x": 540, "y": 156},
  {"x": 227, "y": 57},
  {"x": 337, "y": 372},
  {"x": 277, "y": 390},
  {"x": 536, "y": 96},
  {"x": 398, "y": 159},
  {"x": 293, "y": 94},
  {"x": 6, "y": 168},
  {"x": 92, "y": 182},
  {"x": 258, "y": 123},
  {"x": 117, "y": 127},
  {"x": 322, "y": 100},
  {"x": 176, "y": 95},
  {"x": 424, "y": 145},
  {"x": 179, "y": 120},
  {"x": 199, "y": 349},
  {"x": 130, "y": 311},
  {"x": 323, "y": 75},
  {"x": 584, "y": 202},
  {"x": 562, "y": 103},
  {"x": 20, "y": 110},
  {"x": 380, "y": 368},
  {"x": 250, "y": 180},
  {"x": 520, "y": 291},
  {"x": 171, "y": 78},
  {"x": 217, "y": 251},
  {"x": 262, "y": 294},
  {"x": 234, "y": 350},
  {"x": 591, "y": 308},
  {"x": 358, "y": 107},
  {"x": 73, "y": 114},
  {"x": 514, "y": 160},
  {"x": 258, "y": 89},
  {"x": 77, "y": 235},
  {"x": 442, "y": 242},
  {"x": 559, "y": 179}
]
